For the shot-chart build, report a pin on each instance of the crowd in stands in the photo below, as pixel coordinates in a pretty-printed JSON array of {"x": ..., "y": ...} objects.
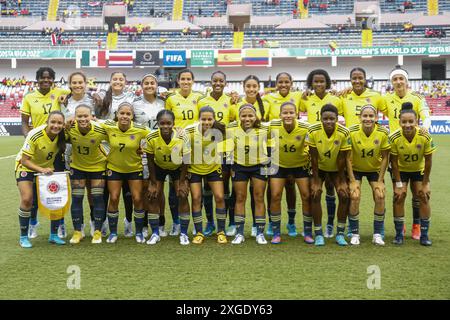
[
  {"x": 134, "y": 32},
  {"x": 13, "y": 8},
  {"x": 434, "y": 33},
  {"x": 435, "y": 90}
]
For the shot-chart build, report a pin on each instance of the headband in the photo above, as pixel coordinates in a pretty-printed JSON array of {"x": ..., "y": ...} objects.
[
  {"x": 246, "y": 106},
  {"x": 149, "y": 75},
  {"x": 398, "y": 72},
  {"x": 368, "y": 106}
]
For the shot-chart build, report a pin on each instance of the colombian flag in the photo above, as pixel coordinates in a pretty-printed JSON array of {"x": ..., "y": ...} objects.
[
  {"x": 228, "y": 58},
  {"x": 257, "y": 57}
]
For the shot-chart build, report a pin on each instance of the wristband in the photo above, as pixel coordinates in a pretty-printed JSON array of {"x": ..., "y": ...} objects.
[{"x": 399, "y": 184}]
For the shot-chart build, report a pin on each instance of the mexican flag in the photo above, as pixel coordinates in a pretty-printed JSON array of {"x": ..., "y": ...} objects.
[{"x": 93, "y": 59}]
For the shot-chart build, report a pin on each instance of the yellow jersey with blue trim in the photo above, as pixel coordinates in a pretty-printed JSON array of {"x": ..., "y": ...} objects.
[
  {"x": 275, "y": 100},
  {"x": 224, "y": 110},
  {"x": 86, "y": 153},
  {"x": 411, "y": 155},
  {"x": 328, "y": 148},
  {"x": 366, "y": 150},
  {"x": 392, "y": 105},
  {"x": 38, "y": 106},
  {"x": 288, "y": 149},
  {"x": 185, "y": 109},
  {"x": 204, "y": 156},
  {"x": 247, "y": 148},
  {"x": 353, "y": 103},
  {"x": 123, "y": 156},
  {"x": 168, "y": 156},
  {"x": 40, "y": 148},
  {"x": 314, "y": 104}
]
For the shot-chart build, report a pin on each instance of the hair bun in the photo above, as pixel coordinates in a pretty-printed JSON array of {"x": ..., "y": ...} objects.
[{"x": 407, "y": 106}]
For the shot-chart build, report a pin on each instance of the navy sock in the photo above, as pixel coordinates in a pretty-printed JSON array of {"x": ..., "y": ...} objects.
[
  {"x": 291, "y": 214},
  {"x": 98, "y": 208},
  {"x": 221, "y": 216},
  {"x": 153, "y": 220},
  {"x": 139, "y": 216},
  {"x": 340, "y": 227},
  {"x": 173, "y": 204},
  {"x": 276, "y": 223},
  {"x": 162, "y": 221},
  {"x": 378, "y": 223},
  {"x": 105, "y": 201},
  {"x": 184, "y": 222},
  {"x": 307, "y": 225},
  {"x": 416, "y": 211},
  {"x": 77, "y": 208},
  {"x": 399, "y": 222},
  {"x": 354, "y": 223},
  {"x": 424, "y": 227},
  {"x": 260, "y": 224},
  {"x": 331, "y": 208},
  {"x": 113, "y": 218},
  {"x": 24, "y": 221},
  {"x": 252, "y": 205},
  {"x": 240, "y": 221},
  {"x": 231, "y": 209},
  {"x": 34, "y": 207},
  {"x": 127, "y": 201},
  {"x": 54, "y": 224},
  {"x": 208, "y": 204},
  {"x": 198, "y": 221}
]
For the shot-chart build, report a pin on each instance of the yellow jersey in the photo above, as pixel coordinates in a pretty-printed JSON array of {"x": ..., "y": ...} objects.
[
  {"x": 184, "y": 109},
  {"x": 204, "y": 156},
  {"x": 40, "y": 148},
  {"x": 314, "y": 104},
  {"x": 38, "y": 106},
  {"x": 225, "y": 111},
  {"x": 256, "y": 105},
  {"x": 275, "y": 100},
  {"x": 353, "y": 103},
  {"x": 86, "y": 153},
  {"x": 167, "y": 156},
  {"x": 366, "y": 150},
  {"x": 123, "y": 156},
  {"x": 411, "y": 154},
  {"x": 329, "y": 148},
  {"x": 392, "y": 105},
  {"x": 289, "y": 148},
  {"x": 247, "y": 148}
]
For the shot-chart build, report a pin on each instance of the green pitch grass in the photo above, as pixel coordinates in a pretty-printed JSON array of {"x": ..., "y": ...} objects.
[{"x": 291, "y": 270}]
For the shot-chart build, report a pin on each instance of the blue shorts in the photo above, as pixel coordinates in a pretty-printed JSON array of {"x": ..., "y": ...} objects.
[
  {"x": 411, "y": 176},
  {"x": 161, "y": 174},
  {"x": 114, "y": 175},
  {"x": 371, "y": 176},
  {"x": 323, "y": 174},
  {"x": 76, "y": 174},
  {"x": 25, "y": 176},
  {"x": 243, "y": 173},
  {"x": 216, "y": 175},
  {"x": 296, "y": 173}
]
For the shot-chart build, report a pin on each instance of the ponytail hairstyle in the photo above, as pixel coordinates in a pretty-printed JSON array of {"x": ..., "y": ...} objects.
[
  {"x": 124, "y": 104},
  {"x": 76, "y": 73},
  {"x": 216, "y": 125},
  {"x": 61, "y": 135},
  {"x": 185, "y": 71},
  {"x": 258, "y": 96},
  {"x": 104, "y": 108},
  {"x": 398, "y": 70}
]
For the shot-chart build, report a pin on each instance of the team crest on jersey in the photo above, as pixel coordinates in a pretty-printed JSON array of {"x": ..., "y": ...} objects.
[
  {"x": 92, "y": 140},
  {"x": 292, "y": 100},
  {"x": 299, "y": 138},
  {"x": 71, "y": 172},
  {"x": 132, "y": 137},
  {"x": 225, "y": 105},
  {"x": 376, "y": 141},
  {"x": 23, "y": 174},
  {"x": 188, "y": 176},
  {"x": 52, "y": 97},
  {"x": 53, "y": 187},
  {"x": 419, "y": 146},
  {"x": 194, "y": 101},
  {"x": 368, "y": 100},
  {"x": 109, "y": 173},
  {"x": 336, "y": 142}
]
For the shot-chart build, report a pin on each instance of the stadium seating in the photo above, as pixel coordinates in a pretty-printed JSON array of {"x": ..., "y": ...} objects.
[{"x": 35, "y": 7}]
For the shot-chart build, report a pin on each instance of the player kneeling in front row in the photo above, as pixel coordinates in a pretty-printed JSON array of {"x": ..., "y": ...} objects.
[
  {"x": 411, "y": 158},
  {"x": 37, "y": 155},
  {"x": 329, "y": 142},
  {"x": 369, "y": 158},
  {"x": 166, "y": 151}
]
